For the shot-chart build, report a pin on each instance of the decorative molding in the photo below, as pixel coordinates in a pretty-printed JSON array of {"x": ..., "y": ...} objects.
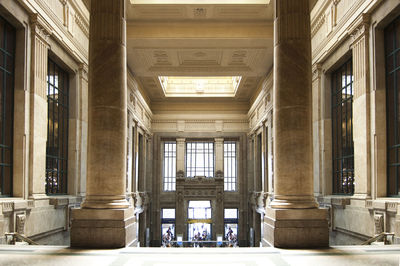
[
  {"x": 319, "y": 22},
  {"x": 82, "y": 24},
  {"x": 379, "y": 223},
  {"x": 8, "y": 207},
  {"x": 84, "y": 71},
  {"x": 200, "y": 12},
  {"x": 40, "y": 28},
  {"x": 316, "y": 71},
  {"x": 20, "y": 220},
  {"x": 359, "y": 28},
  {"x": 78, "y": 51}
]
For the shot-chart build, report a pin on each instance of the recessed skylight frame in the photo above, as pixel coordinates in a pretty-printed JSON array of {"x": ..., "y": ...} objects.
[{"x": 175, "y": 86}]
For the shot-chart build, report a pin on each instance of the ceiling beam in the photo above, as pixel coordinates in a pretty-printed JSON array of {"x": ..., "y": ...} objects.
[{"x": 200, "y": 30}]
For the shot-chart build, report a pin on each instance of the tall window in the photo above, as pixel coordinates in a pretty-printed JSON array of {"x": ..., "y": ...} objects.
[
  {"x": 200, "y": 159},
  {"x": 57, "y": 130},
  {"x": 392, "y": 50},
  {"x": 7, "y": 50},
  {"x": 169, "y": 166},
  {"x": 342, "y": 129},
  {"x": 230, "y": 166}
]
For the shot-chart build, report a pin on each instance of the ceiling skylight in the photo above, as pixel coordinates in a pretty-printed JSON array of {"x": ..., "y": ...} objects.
[{"x": 199, "y": 86}]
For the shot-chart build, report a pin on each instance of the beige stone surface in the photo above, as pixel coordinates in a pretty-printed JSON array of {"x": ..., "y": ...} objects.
[
  {"x": 111, "y": 228},
  {"x": 106, "y": 171}
]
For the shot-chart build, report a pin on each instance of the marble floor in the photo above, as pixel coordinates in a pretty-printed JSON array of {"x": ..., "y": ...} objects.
[{"x": 340, "y": 255}]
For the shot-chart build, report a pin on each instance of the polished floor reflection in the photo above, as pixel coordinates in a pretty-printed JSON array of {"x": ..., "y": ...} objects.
[{"x": 53, "y": 255}]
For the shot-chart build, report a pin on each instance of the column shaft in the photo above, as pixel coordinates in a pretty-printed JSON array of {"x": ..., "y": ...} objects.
[
  {"x": 107, "y": 106},
  {"x": 292, "y": 220},
  {"x": 292, "y": 106},
  {"x": 106, "y": 220}
]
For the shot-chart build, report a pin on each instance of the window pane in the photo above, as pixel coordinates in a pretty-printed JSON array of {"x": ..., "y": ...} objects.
[
  {"x": 342, "y": 129},
  {"x": 200, "y": 159},
  {"x": 230, "y": 214},
  {"x": 168, "y": 213},
  {"x": 230, "y": 166},
  {"x": 7, "y": 45},
  {"x": 169, "y": 166},
  {"x": 57, "y": 130},
  {"x": 392, "y": 51}
]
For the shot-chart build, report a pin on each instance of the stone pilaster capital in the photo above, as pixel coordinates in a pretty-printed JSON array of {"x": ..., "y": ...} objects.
[
  {"x": 149, "y": 136},
  {"x": 40, "y": 28},
  {"x": 316, "y": 71},
  {"x": 336, "y": 2},
  {"x": 359, "y": 28},
  {"x": 219, "y": 140},
  {"x": 83, "y": 71},
  {"x": 180, "y": 140}
]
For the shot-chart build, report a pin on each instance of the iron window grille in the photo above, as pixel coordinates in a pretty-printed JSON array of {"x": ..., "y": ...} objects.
[
  {"x": 342, "y": 129},
  {"x": 200, "y": 159},
  {"x": 392, "y": 54},
  {"x": 230, "y": 166},
  {"x": 169, "y": 166},
  {"x": 57, "y": 129},
  {"x": 7, "y": 55}
]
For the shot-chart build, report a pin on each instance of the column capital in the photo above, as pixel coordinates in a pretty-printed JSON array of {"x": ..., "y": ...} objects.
[
  {"x": 359, "y": 28},
  {"x": 180, "y": 140},
  {"x": 84, "y": 71},
  {"x": 218, "y": 140},
  {"x": 316, "y": 71},
  {"x": 40, "y": 27}
]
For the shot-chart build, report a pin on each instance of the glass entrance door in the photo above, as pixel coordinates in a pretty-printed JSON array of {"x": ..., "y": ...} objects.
[{"x": 199, "y": 220}]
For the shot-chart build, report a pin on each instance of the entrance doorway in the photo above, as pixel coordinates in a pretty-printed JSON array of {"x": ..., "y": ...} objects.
[{"x": 199, "y": 220}]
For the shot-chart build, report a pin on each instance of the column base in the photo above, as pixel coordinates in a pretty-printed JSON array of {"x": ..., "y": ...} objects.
[
  {"x": 105, "y": 202},
  {"x": 296, "y": 228},
  {"x": 103, "y": 228}
]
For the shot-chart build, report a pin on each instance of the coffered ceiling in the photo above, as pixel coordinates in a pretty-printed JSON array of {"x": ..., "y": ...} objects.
[{"x": 199, "y": 41}]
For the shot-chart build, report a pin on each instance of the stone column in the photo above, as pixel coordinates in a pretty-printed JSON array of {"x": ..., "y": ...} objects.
[
  {"x": 106, "y": 218},
  {"x": 38, "y": 112},
  {"x": 361, "y": 107},
  {"x": 293, "y": 219}
]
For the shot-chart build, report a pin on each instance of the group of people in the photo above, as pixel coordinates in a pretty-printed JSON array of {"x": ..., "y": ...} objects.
[
  {"x": 167, "y": 238},
  {"x": 231, "y": 237}
]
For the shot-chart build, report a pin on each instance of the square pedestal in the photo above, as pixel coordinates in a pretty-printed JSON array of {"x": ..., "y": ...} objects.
[
  {"x": 296, "y": 228},
  {"x": 103, "y": 228}
]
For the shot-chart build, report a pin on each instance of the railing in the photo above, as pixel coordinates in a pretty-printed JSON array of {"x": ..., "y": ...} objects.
[
  {"x": 18, "y": 236},
  {"x": 379, "y": 237},
  {"x": 201, "y": 243}
]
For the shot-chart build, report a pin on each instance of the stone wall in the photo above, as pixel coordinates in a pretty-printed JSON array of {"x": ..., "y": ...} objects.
[
  {"x": 56, "y": 29},
  {"x": 340, "y": 30}
]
